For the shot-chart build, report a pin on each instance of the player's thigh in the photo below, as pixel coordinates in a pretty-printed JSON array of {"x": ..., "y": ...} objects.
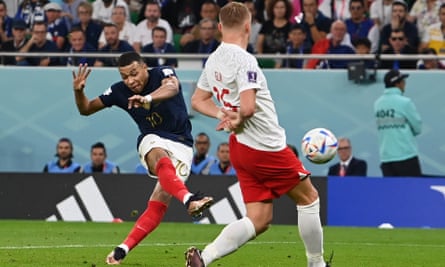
[
  {"x": 152, "y": 148},
  {"x": 304, "y": 193}
]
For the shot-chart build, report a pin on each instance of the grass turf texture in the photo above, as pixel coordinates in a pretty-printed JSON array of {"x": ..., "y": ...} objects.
[{"x": 34, "y": 243}]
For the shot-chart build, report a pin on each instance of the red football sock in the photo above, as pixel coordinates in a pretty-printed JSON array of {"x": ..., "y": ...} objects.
[
  {"x": 146, "y": 223},
  {"x": 169, "y": 181}
]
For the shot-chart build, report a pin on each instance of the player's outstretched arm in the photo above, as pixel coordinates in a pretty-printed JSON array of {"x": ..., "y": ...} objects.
[
  {"x": 203, "y": 103},
  {"x": 85, "y": 106}
]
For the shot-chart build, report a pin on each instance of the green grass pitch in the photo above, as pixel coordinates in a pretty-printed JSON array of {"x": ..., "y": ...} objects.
[{"x": 55, "y": 244}]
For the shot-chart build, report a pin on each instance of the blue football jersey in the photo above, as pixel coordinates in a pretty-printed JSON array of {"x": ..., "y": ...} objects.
[{"x": 167, "y": 119}]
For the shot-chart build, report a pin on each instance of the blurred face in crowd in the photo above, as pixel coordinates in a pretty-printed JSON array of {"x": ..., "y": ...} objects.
[
  {"x": 399, "y": 12},
  {"x": 64, "y": 150},
  {"x": 207, "y": 30},
  {"x": 209, "y": 11},
  {"x": 357, "y": 11},
  {"x": 77, "y": 40},
  {"x": 310, "y": 6},
  {"x": 111, "y": 35},
  {"x": 3, "y": 11},
  {"x": 338, "y": 31},
  {"x": 223, "y": 154},
  {"x": 18, "y": 34},
  {"x": 297, "y": 36},
  {"x": 52, "y": 15},
  {"x": 39, "y": 34},
  {"x": 84, "y": 14},
  {"x": 159, "y": 38},
  {"x": 279, "y": 9},
  {"x": 152, "y": 13},
  {"x": 362, "y": 49},
  {"x": 202, "y": 145},
  {"x": 98, "y": 156},
  {"x": 344, "y": 149},
  {"x": 397, "y": 41},
  {"x": 118, "y": 15}
]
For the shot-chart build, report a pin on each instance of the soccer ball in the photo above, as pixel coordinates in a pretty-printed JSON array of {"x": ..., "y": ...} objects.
[{"x": 319, "y": 145}]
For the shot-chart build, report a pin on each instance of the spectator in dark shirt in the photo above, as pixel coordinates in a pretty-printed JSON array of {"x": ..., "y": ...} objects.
[
  {"x": 315, "y": 24},
  {"x": 207, "y": 42},
  {"x": 16, "y": 43},
  {"x": 296, "y": 45},
  {"x": 113, "y": 45},
  {"x": 91, "y": 28},
  {"x": 274, "y": 31},
  {"x": 78, "y": 44},
  {"x": 38, "y": 43},
  {"x": 358, "y": 24},
  {"x": 399, "y": 46},
  {"x": 159, "y": 46},
  {"x": 399, "y": 14},
  {"x": 5, "y": 23}
]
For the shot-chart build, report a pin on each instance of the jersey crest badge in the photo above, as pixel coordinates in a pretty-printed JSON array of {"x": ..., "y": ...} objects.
[
  {"x": 167, "y": 72},
  {"x": 251, "y": 76}
]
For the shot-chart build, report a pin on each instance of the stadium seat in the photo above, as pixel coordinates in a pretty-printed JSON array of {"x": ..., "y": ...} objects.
[
  {"x": 176, "y": 39},
  {"x": 266, "y": 63}
]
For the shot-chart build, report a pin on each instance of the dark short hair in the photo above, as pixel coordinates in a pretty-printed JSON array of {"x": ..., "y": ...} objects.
[
  {"x": 221, "y": 145},
  {"x": 77, "y": 29},
  {"x": 65, "y": 140},
  {"x": 362, "y": 2},
  {"x": 203, "y": 134},
  {"x": 362, "y": 41},
  {"x": 397, "y": 30},
  {"x": 158, "y": 28},
  {"x": 428, "y": 51},
  {"x": 129, "y": 57},
  {"x": 99, "y": 145},
  {"x": 400, "y": 3},
  {"x": 297, "y": 26}
]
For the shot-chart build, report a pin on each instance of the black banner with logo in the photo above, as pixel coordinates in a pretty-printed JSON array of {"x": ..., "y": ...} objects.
[{"x": 104, "y": 197}]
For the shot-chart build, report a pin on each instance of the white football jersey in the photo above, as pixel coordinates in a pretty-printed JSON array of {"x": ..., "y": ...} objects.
[{"x": 230, "y": 70}]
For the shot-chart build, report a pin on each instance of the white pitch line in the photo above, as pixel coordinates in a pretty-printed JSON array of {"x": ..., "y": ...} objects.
[{"x": 198, "y": 244}]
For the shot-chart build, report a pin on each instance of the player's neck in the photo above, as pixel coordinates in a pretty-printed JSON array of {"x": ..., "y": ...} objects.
[{"x": 236, "y": 38}]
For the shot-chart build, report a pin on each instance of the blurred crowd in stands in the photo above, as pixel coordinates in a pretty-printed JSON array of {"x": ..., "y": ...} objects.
[{"x": 369, "y": 27}]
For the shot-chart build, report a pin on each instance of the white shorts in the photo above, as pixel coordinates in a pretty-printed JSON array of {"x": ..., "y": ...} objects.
[{"x": 180, "y": 154}]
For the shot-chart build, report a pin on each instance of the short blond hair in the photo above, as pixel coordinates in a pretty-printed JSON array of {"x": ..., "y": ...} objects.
[{"x": 233, "y": 15}]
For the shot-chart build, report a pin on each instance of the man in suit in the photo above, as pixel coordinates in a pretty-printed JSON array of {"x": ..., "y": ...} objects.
[{"x": 348, "y": 165}]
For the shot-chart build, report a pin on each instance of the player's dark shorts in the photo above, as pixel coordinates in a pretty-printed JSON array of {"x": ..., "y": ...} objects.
[{"x": 265, "y": 175}]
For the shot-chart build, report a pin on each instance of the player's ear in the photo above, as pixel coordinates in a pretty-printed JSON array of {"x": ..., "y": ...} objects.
[{"x": 219, "y": 26}]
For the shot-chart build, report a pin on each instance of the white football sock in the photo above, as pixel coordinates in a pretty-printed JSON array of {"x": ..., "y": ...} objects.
[
  {"x": 309, "y": 226},
  {"x": 186, "y": 197},
  {"x": 233, "y": 236}
]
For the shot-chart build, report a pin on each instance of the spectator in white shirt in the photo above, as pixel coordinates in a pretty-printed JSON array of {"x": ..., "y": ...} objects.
[
  {"x": 126, "y": 29},
  {"x": 102, "y": 9},
  {"x": 152, "y": 19}
]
